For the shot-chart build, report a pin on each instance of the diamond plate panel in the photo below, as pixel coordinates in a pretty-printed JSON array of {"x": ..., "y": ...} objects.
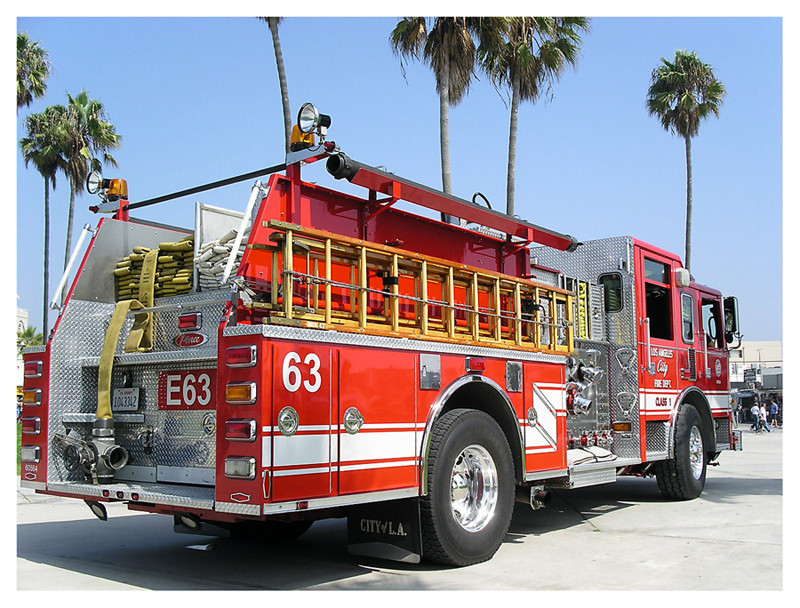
[
  {"x": 180, "y": 496},
  {"x": 591, "y": 260},
  {"x": 153, "y": 437},
  {"x": 722, "y": 429},
  {"x": 657, "y": 437},
  {"x": 238, "y": 509}
]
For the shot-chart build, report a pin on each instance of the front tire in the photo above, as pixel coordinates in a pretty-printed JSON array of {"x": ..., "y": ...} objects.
[
  {"x": 470, "y": 475},
  {"x": 684, "y": 477}
]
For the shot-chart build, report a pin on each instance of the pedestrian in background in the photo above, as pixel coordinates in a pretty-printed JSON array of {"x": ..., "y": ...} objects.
[
  {"x": 773, "y": 413},
  {"x": 763, "y": 418},
  {"x": 755, "y": 416}
]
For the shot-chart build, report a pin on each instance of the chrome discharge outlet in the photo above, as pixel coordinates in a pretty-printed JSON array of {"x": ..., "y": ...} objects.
[
  {"x": 581, "y": 390},
  {"x": 109, "y": 456}
]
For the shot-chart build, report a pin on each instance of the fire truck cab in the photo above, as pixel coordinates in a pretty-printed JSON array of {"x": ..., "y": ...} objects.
[{"x": 325, "y": 355}]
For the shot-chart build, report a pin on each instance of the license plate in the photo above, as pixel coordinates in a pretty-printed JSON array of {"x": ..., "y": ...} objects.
[{"x": 125, "y": 399}]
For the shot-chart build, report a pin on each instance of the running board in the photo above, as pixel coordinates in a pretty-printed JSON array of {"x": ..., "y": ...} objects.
[{"x": 589, "y": 466}]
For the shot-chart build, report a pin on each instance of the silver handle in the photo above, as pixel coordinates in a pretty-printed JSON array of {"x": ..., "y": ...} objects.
[
  {"x": 54, "y": 303},
  {"x": 650, "y": 368},
  {"x": 258, "y": 187}
]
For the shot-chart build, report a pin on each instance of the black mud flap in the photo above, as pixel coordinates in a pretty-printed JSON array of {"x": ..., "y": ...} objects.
[{"x": 387, "y": 530}]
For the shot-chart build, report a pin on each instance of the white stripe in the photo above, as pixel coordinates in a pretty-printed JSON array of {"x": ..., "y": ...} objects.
[
  {"x": 647, "y": 402},
  {"x": 266, "y": 451},
  {"x": 308, "y": 428},
  {"x": 302, "y": 449},
  {"x": 551, "y": 386},
  {"x": 401, "y": 425},
  {"x": 374, "y": 446},
  {"x": 539, "y": 450},
  {"x": 292, "y": 472},
  {"x": 378, "y": 465}
]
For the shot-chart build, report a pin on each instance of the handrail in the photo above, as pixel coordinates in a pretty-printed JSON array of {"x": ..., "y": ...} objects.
[
  {"x": 248, "y": 212},
  {"x": 54, "y": 303}
]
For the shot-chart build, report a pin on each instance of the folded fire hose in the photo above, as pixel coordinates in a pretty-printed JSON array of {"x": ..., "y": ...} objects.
[{"x": 142, "y": 276}]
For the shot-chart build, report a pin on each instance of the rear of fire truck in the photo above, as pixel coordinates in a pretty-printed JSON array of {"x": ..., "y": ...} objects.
[{"x": 322, "y": 355}]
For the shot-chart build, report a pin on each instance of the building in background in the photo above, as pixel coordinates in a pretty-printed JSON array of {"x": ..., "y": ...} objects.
[{"x": 756, "y": 370}]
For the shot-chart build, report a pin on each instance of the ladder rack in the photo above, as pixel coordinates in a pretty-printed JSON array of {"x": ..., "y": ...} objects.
[{"x": 328, "y": 281}]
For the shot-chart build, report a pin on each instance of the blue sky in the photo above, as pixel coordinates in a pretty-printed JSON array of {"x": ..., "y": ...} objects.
[{"x": 197, "y": 99}]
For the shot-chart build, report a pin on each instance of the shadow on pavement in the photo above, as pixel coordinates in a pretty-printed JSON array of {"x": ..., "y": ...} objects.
[{"x": 143, "y": 551}]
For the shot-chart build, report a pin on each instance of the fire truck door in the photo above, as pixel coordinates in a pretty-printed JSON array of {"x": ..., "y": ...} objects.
[
  {"x": 659, "y": 333},
  {"x": 714, "y": 359},
  {"x": 302, "y": 422},
  {"x": 377, "y": 417}
]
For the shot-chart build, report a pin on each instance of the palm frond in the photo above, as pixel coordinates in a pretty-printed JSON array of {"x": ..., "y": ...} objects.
[{"x": 682, "y": 92}]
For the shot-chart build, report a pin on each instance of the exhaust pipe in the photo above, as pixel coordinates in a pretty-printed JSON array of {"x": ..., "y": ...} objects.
[
  {"x": 97, "y": 509},
  {"x": 535, "y": 496}
]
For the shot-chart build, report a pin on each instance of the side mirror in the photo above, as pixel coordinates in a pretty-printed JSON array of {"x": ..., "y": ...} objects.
[{"x": 731, "y": 307}]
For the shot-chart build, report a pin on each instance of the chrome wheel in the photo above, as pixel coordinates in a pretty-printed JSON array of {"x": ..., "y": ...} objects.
[
  {"x": 474, "y": 489},
  {"x": 696, "y": 452}
]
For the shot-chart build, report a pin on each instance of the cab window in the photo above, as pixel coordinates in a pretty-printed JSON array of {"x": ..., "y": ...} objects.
[
  {"x": 687, "y": 318},
  {"x": 711, "y": 323},
  {"x": 612, "y": 291},
  {"x": 658, "y": 298}
]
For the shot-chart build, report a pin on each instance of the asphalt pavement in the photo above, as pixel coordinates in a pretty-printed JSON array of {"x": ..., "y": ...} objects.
[{"x": 619, "y": 536}]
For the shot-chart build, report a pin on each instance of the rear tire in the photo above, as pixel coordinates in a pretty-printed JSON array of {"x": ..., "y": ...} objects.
[
  {"x": 684, "y": 476},
  {"x": 470, "y": 475}
]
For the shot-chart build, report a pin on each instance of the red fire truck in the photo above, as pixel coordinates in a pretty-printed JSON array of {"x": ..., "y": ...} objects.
[{"x": 323, "y": 354}]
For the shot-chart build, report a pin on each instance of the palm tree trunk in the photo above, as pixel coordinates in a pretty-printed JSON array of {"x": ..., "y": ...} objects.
[
  {"x": 70, "y": 217},
  {"x": 444, "y": 132},
  {"x": 512, "y": 146},
  {"x": 46, "y": 295},
  {"x": 688, "y": 203},
  {"x": 287, "y": 110}
]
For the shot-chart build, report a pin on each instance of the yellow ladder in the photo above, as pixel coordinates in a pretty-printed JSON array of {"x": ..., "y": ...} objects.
[{"x": 327, "y": 281}]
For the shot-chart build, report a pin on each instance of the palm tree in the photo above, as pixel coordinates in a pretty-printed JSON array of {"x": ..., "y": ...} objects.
[
  {"x": 33, "y": 69},
  {"x": 448, "y": 48},
  {"x": 273, "y": 23},
  {"x": 42, "y": 148},
  {"x": 89, "y": 135},
  {"x": 28, "y": 337},
  {"x": 533, "y": 55},
  {"x": 682, "y": 93}
]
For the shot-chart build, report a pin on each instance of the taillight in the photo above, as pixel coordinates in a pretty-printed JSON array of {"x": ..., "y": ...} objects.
[
  {"x": 241, "y": 356},
  {"x": 241, "y": 393},
  {"x": 240, "y": 430},
  {"x": 30, "y": 453},
  {"x": 31, "y": 425},
  {"x": 33, "y": 369},
  {"x": 190, "y": 321},
  {"x": 240, "y": 467},
  {"x": 32, "y": 396}
]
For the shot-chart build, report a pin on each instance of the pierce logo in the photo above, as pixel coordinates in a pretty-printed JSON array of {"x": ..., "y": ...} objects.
[{"x": 190, "y": 340}]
